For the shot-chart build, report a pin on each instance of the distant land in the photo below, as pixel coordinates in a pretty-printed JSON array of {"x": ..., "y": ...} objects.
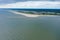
[
  {"x": 35, "y": 11},
  {"x": 39, "y": 11}
]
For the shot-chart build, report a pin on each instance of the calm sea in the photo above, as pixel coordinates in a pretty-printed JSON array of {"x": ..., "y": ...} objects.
[{"x": 18, "y": 27}]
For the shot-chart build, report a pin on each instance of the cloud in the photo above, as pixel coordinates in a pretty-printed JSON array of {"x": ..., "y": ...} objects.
[
  {"x": 13, "y": 1},
  {"x": 32, "y": 4}
]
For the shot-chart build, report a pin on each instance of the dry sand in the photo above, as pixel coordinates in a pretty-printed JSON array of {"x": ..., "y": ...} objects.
[{"x": 28, "y": 15}]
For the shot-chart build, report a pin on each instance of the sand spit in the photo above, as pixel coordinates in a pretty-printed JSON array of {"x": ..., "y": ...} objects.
[{"x": 28, "y": 15}]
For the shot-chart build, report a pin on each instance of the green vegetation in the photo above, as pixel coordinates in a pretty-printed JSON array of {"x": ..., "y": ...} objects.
[
  {"x": 29, "y": 12},
  {"x": 40, "y": 13}
]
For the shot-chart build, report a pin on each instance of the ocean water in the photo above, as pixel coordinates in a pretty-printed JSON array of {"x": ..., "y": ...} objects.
[
  {"x": 39, "y": 10},
  {"x": 18, "y": 27}
]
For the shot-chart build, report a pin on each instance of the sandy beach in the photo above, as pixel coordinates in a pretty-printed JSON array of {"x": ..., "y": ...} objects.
[{"x": 28, "y": 15}]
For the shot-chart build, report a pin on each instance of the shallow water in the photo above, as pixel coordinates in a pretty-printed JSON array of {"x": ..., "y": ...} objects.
[{"x": 18, "y": 27}]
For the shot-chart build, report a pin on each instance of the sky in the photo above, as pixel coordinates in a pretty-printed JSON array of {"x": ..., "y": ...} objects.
[
  {"x": 51, "y": 4},
  {"x": 13, "y": 1}
]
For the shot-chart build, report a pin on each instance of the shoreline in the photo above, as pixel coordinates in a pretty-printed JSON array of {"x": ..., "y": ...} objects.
[{"x": 28, "y": 15}]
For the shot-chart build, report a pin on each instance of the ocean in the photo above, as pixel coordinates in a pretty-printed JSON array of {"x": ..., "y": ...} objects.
[{"x": 19, "y": 27}]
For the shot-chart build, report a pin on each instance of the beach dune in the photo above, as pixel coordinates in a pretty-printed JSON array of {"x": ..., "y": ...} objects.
[{"x": 28, "y": 15}]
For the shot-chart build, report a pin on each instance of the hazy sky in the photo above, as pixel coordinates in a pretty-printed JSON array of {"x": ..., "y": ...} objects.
[
  {"x": 13, "y": 1},
  {"x": 33, "y": 4},
  {"x": 30, "y": 4}
]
